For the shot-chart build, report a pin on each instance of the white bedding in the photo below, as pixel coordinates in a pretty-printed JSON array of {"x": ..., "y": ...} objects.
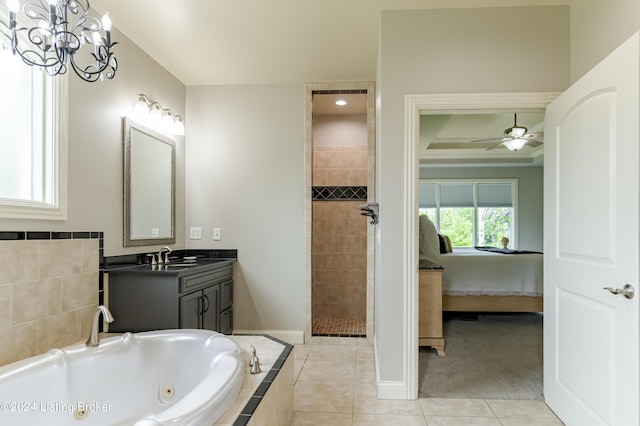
[{"x": 471, "y": 272}]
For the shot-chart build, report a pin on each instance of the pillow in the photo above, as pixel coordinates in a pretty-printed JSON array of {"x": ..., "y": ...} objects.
[
  {"x": 443, "y": 244},
  {"x": 429, "y": 244},
  {"x": 447, "y": 242}
]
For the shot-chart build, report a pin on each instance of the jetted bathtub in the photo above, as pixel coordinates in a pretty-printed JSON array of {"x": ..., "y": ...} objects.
[{"x": 168, "y": 377}]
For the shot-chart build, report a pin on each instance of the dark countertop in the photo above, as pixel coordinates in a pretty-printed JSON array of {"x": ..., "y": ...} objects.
[
  {"x": 140, "y": 262},
  {"x": 174, "y": 267},
  {"x": 427, "y": 264}
]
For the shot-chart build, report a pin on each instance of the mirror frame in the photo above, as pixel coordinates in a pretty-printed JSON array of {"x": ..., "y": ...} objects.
[{"x": 130, "y": 124}]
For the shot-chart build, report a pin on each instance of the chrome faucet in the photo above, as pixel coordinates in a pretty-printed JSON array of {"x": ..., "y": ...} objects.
[
  {"x": 254, "y": 362},
  {"x": 94, "y": 338},
  {"x": 166, "y": 250}
]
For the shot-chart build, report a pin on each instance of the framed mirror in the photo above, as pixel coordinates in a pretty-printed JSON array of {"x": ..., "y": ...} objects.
[{"x": 149, "y": 186}]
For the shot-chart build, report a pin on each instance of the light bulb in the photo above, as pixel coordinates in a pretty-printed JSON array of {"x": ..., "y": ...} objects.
[
  {"x": 155, "y": 114},
  {"x": 106, "y": 22},
  {"x": 178, "y": 127},
  {"x": 167, "y": 120},
  {"x": 341, "y": 102},
  {"x": 13, "y": 5},
  {"x": 515, "y": 144},
  {"x": 141, "y": 110}
]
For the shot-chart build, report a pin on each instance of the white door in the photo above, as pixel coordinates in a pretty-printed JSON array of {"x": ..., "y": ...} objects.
[{"x": 591, "y": 240}]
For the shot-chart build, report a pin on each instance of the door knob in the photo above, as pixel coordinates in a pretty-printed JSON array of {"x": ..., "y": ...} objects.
[{"x": 627, "y": 291}]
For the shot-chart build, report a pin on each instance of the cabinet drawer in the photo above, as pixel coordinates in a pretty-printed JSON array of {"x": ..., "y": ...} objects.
[
  {"x": 226, "y": 295},
  {"x": 205, "y": 279},
  {"x": 226, "y": 321}
]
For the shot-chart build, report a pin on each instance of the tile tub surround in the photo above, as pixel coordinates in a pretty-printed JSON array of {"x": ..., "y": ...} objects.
[
  {"x": 265, "y": 398},
  {"x": 49, "y": 289}
]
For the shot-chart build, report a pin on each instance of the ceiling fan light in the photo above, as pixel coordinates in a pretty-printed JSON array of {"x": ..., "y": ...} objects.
[{"x": 515, "y": 144}]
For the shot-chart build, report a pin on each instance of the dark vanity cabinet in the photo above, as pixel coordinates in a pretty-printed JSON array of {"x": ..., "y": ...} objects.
[{"x": 143, "y": 298}]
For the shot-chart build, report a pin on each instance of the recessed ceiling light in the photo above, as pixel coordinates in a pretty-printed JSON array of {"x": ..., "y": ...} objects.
[{"x": 341, "y": 102}]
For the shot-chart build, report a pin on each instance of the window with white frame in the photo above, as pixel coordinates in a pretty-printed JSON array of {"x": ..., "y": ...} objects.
[
  {"x": 472, "y": 213},
  {"x": 32, "y": 140}
]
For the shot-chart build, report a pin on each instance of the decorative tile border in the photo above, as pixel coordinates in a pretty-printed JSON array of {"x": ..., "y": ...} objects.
[{"x": 339, "y": 193}]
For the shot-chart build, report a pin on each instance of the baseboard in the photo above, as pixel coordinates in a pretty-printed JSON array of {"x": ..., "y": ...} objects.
[
  {"x": 387, "y": 389},
  {"x": 293, "y": 337}
]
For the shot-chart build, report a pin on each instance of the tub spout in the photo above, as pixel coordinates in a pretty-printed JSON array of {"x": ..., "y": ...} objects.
[{"x": 94, "y": 338}]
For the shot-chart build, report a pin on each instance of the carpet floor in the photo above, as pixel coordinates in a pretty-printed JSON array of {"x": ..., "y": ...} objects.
[{"x": 492, "y": 356}]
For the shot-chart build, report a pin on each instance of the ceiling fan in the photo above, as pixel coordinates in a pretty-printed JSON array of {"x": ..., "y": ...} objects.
[{"x": 515, "y": 138}]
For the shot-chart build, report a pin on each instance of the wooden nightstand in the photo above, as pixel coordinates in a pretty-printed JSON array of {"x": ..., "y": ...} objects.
[{"x": 430, "y": 325}]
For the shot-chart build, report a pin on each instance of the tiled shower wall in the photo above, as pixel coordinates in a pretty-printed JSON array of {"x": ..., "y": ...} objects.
[
  {"x": 49, "y": 287},
  {"x": 339, "y": 236}
]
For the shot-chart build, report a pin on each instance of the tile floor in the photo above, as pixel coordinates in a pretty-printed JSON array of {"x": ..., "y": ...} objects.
[
  {"x": 340, "y": 327},
  {"x": 335, "y": 385}
]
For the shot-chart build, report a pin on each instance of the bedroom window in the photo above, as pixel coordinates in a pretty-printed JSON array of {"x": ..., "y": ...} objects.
[
  {"x": 471, "y": 213},
  {"x": 33, "y": 160}
]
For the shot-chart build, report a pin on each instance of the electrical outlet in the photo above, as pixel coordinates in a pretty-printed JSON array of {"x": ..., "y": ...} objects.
[
  {"x": 217, "y": 234},
  {"x": 155, "y": 232},
  {"x": 195, "y": 233}
]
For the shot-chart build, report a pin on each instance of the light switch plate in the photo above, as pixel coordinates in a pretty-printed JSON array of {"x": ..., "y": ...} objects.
[
  {"x": 217, "y": 234},
  {"x": 195, "y": 233}
]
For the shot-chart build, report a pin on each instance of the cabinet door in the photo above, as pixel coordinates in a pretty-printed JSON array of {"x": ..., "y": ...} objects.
[
  {"x": 226, "y": 321},
  {"x": 211, "y": 296},
  {"x": 226, "y": 295},
  {"x": 190, "y": 310}
]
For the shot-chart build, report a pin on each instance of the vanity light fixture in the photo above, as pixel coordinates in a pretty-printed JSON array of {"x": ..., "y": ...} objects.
[
  {"x": 146, "y": 109},
  {"x": 59, "y": 31}
]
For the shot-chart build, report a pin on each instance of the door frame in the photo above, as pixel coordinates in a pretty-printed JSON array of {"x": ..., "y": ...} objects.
[
  {"x": 414, "y": 105},
  {"x": 369, "y": 86}
]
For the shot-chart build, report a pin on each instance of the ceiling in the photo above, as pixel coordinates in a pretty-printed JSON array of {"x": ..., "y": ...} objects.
[
  {"x": 325, "y": 104},
  {"x": 446, "y": 139},
  {"x": 207, "y": 42},
  {"x": 224, "y": 42}
]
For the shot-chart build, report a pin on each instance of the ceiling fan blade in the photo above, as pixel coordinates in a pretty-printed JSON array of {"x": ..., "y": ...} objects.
[
  {"x": 533, "y": 135},
  {"x": 495, "y": 146},
  {"x": 490, "y": 140},
  {"x": 533, "y": 143}
]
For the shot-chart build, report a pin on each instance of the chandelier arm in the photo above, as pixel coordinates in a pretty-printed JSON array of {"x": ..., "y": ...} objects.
[{"x": 55, "y": 42}]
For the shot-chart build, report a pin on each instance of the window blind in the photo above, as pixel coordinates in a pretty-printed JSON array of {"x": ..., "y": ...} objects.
[
  {"x": 494, "y": 195},
  {"x": 456, "y": 195}
]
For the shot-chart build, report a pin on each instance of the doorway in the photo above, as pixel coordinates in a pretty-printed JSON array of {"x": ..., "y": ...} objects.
[
  {"x": 339, "y": 177},
  {"x": 414, "y": 106}
]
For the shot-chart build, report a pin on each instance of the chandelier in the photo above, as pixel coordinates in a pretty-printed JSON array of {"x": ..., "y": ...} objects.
[{"x": 60, "y": 31}]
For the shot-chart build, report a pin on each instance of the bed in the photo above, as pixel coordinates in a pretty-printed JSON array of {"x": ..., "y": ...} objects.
[{"x": 484, "y": 281}]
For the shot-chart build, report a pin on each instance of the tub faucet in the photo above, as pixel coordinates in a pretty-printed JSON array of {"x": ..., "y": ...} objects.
[
  {"x": 94, "y": 338},
  {"x": 254, "y": 362},
  {"x": 166, "y": 250}
]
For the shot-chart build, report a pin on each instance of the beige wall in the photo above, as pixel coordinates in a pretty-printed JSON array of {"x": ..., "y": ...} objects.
[
  {"x": 446, "y": 51},
  {"x": 245, "y": 175},
  {"x": 48, "y": 294},
  {"x": 597, "y": 28},
  {"x": 96, "y": 149}
]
